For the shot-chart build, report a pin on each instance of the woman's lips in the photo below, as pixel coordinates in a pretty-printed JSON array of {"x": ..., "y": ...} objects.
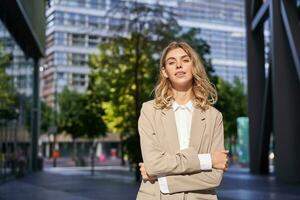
[{"x": 179, "y": 74}]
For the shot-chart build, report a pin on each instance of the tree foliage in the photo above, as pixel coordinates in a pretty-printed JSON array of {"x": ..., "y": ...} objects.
[
  {"x": 232, "y": 103},
  {"x": 7, "y": 91},
  {"x": 25, "y": 110},
  {"x": 76, "y": 118},
  {"x": 47, "y": 118}
]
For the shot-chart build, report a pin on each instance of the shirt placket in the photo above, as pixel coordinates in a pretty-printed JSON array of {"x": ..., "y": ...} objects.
[{"x": 184, "y": 127}]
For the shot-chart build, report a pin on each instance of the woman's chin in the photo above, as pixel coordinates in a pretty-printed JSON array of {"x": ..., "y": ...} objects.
[{"x": 182, "y": 85}]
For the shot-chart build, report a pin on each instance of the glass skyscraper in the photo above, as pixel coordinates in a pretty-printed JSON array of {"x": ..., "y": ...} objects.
[
  {"x": 75, "y": 28},
  {"x": 19, "y": 68},
  {"x": 222, "y": 26}
]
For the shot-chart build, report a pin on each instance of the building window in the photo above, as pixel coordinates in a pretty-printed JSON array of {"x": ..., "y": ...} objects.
[
  {"x": 93, "y": 40},
  {"x": 93, "y": 21},
  {"x": 80, "y": 19},
  {"x": 78, "y": 80},
  {"x": 116, "y": 24},
  {"x": 77, "y": 39},
  {"x": 22, "y": 81},
  {"x": 60, "y": 38},
  {"x": 70, "y": 19},
  {"x": 60, "y": 58},
  {"x": 77, "y": 59},
  {"x": 59, "y": 18}
]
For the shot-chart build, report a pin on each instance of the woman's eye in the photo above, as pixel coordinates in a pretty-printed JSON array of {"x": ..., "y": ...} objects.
[
  {"x": 186, "y": 60},
  {"x": 171, "y": 63}
]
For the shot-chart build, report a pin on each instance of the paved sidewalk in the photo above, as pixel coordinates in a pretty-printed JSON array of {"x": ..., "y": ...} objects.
[
  {"x": 72, "y": 184},
  {"x": 117, "y": 183},
  {"x": 238, "y": 184}
]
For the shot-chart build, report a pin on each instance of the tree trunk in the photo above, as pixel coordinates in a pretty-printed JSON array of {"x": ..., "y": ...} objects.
[
  {"x": 122, "y": 150},
  {"x": 54, "y": 149},
  {"x": 74, "y": 154},
  {"x": 93, "y": 153},
  {"x": 137, "y": 102}
]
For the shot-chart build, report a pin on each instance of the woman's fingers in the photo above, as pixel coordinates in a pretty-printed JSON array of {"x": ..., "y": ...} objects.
[
  {"x": 141, "y": 165},
  {"x": 225, "y": 151},
  {"x": 226, "y": 163},
  {"x": 143, "y": 171},
  {"x": 227, "y": 159},
  {"x": 220, "y": 159},
  {"x": 144, "y": 174}
]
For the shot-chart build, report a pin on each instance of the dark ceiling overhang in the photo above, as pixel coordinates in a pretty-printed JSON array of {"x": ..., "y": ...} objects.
[{"x": 25, "y": 20}]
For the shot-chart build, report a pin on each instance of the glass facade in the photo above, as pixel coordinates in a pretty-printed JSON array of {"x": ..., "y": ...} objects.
[
  {"x": 15, "y": 106},
  {"x": 19, "y": 68},
  {"x": 222, "y": 25},
  {"x": 75, "y": 28}
]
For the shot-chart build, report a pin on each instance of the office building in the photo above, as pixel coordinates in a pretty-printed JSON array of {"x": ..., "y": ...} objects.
[{"x": 75, "y": 28}]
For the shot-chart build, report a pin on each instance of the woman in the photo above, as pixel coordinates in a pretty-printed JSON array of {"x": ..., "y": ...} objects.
[{"x": 181, "y": 134}]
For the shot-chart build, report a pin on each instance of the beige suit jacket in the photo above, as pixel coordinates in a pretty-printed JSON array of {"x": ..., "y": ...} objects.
[{"x": 163, "y": 157}]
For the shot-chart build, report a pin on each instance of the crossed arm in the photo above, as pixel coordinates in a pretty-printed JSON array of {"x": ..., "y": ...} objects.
[{"x": 182, "y": 170}]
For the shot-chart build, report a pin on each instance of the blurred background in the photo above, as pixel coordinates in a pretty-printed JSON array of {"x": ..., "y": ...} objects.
[{"x": 74, "y": 74}]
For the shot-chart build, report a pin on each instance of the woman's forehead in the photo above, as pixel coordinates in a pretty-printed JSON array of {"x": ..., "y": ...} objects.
[{"x": 178, "y": 52}]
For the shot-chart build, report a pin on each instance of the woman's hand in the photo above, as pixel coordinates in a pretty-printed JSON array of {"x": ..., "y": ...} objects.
[
  {"x": 144, "y": 174},
  {"x": 220, "y": 160}
]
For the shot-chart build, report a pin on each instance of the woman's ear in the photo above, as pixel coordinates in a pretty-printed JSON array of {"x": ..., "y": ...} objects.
[{"x": 163, "y": 70}]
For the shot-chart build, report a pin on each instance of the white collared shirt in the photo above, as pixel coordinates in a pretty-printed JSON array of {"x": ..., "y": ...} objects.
[{"x": 183, "y": 118}]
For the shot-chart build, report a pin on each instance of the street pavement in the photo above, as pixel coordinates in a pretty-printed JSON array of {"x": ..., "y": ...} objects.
[{"x": 117, "y": 183}]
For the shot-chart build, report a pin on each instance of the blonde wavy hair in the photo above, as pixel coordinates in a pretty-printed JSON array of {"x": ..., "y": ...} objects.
[{"x": 204, "y": 91}]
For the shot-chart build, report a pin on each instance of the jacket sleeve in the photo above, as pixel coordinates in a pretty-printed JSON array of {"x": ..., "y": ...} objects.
[
  {"x": 206, "y": 179},
  {"x": 157, "y": 161}
]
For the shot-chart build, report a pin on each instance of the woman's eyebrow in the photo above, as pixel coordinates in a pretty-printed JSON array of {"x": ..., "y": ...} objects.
[
  {"x": 175, "y": 58},
  {"x": 170, "y": 58},
  {"x": 185, "y": 56}
]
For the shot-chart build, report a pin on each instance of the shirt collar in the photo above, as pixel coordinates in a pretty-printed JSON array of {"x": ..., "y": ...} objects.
[{"x": 189, "y": 106}]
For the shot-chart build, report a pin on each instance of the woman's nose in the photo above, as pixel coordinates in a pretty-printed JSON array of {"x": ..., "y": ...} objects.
[{"x": 178, "y": 65}]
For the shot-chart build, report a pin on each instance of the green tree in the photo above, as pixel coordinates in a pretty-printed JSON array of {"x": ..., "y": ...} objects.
[
  {"x": 47, "y": 118},
  {"x": 126, "y": 69},
  {"x": 7, "y": 90},
  {"x": 232, "y": 103},
  {"x": 77, "y": 119},
  {"x": 25, "y": 105},
  {"x": 71, "y": 108}
]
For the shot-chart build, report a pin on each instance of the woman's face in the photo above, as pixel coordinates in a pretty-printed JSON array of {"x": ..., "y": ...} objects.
[{"x": 178, "y": 69}]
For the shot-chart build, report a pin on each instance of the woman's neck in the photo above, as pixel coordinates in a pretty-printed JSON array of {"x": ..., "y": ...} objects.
[{"x": 182, "y": 96}]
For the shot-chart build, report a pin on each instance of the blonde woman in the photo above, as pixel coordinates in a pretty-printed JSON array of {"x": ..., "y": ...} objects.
[{"x": 181, "y": 134}]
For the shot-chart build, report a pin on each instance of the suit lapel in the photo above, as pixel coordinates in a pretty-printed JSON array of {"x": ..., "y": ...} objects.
[
  {"x": 197, "y": 128},
  {"x": 169, "y": 125}
]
